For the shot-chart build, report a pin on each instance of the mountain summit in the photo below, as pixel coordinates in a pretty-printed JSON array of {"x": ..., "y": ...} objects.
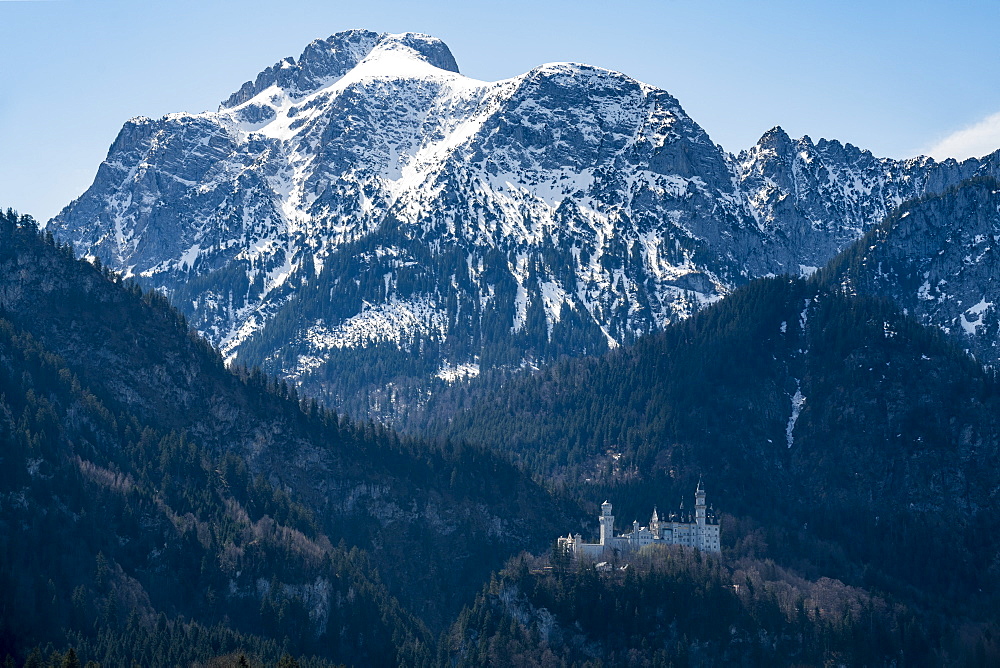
[
  {"x": 372, "y": 224},
  {"x": 326, "y": 60}
]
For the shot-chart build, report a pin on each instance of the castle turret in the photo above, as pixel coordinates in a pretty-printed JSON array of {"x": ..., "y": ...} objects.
[
  {"x": 607, "y": 524},
  {"x": 654, "y": 523},
  {"x": 699, "y": 505}
]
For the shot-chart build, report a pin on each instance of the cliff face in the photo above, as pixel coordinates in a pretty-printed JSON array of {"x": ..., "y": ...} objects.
[{"x": 367, "y": 206}]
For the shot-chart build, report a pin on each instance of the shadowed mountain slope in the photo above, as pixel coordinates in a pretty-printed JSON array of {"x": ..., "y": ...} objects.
[{"x": 214, "y": 495}]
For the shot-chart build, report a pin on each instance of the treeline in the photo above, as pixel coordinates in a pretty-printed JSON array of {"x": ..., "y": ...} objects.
[
  {"x": 168, "y": 643},
  {"x": 722, "y": 377}
]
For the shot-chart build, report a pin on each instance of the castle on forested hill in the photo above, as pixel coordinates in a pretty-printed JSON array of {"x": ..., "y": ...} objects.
[{"x": 700, "y": 531}]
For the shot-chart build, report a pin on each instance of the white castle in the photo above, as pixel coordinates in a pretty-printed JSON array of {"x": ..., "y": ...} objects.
[{"x": 700, "y": 531}]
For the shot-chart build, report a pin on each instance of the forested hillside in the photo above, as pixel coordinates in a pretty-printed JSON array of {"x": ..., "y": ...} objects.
[
  {"x": 839, "y": 436},
  {"x": 147, "y": 492}
]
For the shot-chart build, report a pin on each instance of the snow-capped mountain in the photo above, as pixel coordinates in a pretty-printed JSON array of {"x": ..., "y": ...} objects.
[{"x": 370, "y": 222}]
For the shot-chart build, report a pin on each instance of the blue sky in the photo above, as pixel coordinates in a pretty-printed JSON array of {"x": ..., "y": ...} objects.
[{"x": 898, "y": 78}]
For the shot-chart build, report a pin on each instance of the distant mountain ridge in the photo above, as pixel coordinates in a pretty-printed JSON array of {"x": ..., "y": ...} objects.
[{"x": 368, "y": 207}]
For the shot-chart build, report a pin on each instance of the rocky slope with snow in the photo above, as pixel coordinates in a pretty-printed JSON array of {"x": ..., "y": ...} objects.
[
  {"x": 936, "y": 257},
  {"x": 373, "y": 224}
]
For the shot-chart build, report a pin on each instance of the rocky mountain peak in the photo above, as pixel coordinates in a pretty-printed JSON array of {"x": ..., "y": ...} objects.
[
  {"x": 776, "y": 139},
  {"x": 326, "y": 59},
  {"x": 430, "y": 49}
]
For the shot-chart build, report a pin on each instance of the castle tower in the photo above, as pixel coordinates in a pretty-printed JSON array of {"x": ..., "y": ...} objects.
[
  {"x": 699, "y": 506},
  {"x": 607, "y": 525},
  {"x": 654, "y": 522}
]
